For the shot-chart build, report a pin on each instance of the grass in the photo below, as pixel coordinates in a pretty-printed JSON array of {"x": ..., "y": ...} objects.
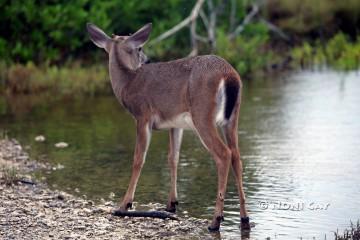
[
  {"x": 70, "y": 79},
  {"x": 352, "y": 233},
  {"x": 250, "y": 55},
  {"x": 9, "y": 176},
  {"x": 3, "y": 134},
  {"x": 339, "y": 53}
]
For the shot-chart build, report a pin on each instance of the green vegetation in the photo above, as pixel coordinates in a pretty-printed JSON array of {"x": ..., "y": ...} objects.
[
  {"x": 244, "y": 51},
  {"x": 338, "y": 52},
  {"x": 54, "y": 31},
  {"x": 44, "y": 45}
]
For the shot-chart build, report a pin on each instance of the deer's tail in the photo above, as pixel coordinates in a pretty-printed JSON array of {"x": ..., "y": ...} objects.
[{"x": 232, "y": 91}]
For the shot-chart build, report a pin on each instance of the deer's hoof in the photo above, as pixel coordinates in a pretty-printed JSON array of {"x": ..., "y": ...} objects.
[
  {"x": 125, "y": 207},
  {"x": 215, "y": 225},
  {"x": 213, "y": 229},
  {"x": 129, "y": 205},
  {"x": 245, "y": 223},
  {"x": 171, "y": 207}
]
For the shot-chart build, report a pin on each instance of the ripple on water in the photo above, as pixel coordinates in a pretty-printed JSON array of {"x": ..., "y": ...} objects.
[{"x": 299, "y": 143}]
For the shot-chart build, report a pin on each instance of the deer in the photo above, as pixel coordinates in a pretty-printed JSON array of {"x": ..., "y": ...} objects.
[{"x": 201, "y": 93}]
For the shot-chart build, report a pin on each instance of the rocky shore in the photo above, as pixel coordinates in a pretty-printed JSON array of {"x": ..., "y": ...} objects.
[{"x": 31, "y": 210}]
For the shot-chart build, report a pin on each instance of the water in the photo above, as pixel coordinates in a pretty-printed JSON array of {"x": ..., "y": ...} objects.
[{"x": 299, "y": 139}]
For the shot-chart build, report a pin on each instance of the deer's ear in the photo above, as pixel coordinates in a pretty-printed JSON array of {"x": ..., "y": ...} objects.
[
  {"x": 97, "y": 36},
  {"x": 139, "y": 38}
]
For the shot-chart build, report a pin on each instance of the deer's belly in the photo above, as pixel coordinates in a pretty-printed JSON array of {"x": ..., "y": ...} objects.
[{"x": 182, "y": 120}]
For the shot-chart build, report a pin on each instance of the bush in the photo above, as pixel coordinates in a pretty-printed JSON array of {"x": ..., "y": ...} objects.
[
  {"x": 54, "y": 31},
  {"x": 320, "y": 18},
  {"x": 247, "y": 53},
  {"x": 339, "y": 52}
]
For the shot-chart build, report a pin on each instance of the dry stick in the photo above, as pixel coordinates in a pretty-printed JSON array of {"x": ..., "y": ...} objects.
[
  {"x": 192, "y": 17},
  {"x": 194, "y": 44},
  {"x": 275, "y": 29},
  {"x": 247, "y": 19},
  {"x": 151, "y": 214},
  {"x": 201, "y": 38},
  {"x": 214, "y": 12},
  {"x": 26, "y": 181},
  {"x": 212, "y": 24},
  {"x": 232, "y": 15},
  {"x": 204, "y": 18},
  {"x": 206, "y": 24}
]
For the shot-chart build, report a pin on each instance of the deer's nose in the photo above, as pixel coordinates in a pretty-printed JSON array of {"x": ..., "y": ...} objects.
[{"x": 147, "y": 61}]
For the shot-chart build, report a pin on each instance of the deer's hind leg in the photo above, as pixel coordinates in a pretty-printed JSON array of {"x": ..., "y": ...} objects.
[
  {"x": 206, "y": 129},
  {"x": 230, "y": 130},
  {"x": 175, "y": 135}
]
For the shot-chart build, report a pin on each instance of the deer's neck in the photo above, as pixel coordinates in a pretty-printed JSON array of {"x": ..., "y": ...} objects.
[{"x": 119, "y": 74}]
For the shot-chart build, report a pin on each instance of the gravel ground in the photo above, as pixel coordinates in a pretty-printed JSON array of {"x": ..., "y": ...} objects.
[{"x": 30, "y": 210}]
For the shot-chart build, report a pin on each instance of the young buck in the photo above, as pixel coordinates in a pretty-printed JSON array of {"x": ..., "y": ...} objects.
[{"x": 197, "y": 93}]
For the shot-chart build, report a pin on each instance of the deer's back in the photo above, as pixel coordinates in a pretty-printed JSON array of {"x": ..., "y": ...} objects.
[{"x": 166, "y": 88}]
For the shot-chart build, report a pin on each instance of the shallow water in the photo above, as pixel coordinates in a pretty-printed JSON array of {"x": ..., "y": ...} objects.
[{"x": 299, "y": 139}]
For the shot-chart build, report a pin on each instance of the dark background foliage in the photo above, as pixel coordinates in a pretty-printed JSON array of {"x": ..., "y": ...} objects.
[{"x": 54, "y": 30}]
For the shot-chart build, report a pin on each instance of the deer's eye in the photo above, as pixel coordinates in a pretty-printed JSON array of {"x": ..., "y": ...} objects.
[{"x": 139, "y": 49}]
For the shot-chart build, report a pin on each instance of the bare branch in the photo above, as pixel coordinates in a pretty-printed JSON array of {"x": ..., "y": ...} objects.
[
  {"x": 210, "y": 5},
  {"x": 214, "y": 12},
  {"x": 232, "y": 15},
  {"x": 275, "y": 29},
  {"x": 196, "y": 9},
  {"x": 212, "y": 25},
  {"x": 204, "y": 18},
  {"x": 220, "y": 7},
  {"x": 183, "y": 23},
  {"x": 202, "y": 39},
  {"x": 193, "y": 34},
  {"x": 170, "y": 32},
  {"x": 246, "y": 21}
]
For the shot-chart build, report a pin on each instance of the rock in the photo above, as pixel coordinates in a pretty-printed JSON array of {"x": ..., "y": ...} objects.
[
  {"x": 111, "y": 195},
  {"x": 256, "y": 99},
  {"x": 58, "y": 167},
  {"x": 40, "y": 138},
  {"x": 61, "y": 145},
  {"x": 37, "y": 212},
  {"x": 87, "y": 211}
]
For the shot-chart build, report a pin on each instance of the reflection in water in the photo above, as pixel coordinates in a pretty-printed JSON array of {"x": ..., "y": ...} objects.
[{"x": 299, "y": 139}]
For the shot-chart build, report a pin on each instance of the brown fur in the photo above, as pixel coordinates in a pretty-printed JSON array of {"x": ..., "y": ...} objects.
[
  {"x": 170, "y": 88},
  {"x": 159, "y": 92}
]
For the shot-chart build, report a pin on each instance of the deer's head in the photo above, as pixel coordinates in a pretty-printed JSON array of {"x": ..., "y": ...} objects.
[{"x": 128, "y": 49}]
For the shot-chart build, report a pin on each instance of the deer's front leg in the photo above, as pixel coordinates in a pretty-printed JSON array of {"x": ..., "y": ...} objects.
[
  {"x": 173, "y": 159},
  {"x": 143, "y": 134}
]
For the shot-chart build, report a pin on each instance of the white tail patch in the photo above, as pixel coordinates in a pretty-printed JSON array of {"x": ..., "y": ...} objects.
[{"x": 220, "y": 104}]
